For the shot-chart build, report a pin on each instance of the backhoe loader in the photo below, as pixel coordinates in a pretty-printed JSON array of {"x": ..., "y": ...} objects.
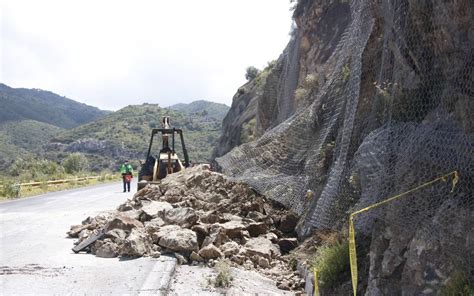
[{"x": 158, "y": 166}]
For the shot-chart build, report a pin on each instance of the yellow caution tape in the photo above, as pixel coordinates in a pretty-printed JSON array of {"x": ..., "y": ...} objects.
[
  {"x": 353, "y": 254},
  {"x": 352, "y": 242},
  {"x": 316, "y": 284}
]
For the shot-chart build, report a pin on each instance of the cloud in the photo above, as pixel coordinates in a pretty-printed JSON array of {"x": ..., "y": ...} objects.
[{"x": 114, "y": 53}]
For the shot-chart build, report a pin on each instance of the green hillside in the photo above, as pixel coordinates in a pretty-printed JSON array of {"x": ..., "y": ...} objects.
[
  {"x": 18, "y": 138},
  {"x": 126, "y": 133},
  {"x": 210, "y": 109},
  {"x": 44, "y": 106}
]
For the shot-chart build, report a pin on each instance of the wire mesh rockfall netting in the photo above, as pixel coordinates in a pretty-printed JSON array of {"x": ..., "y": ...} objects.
[{"x": 394, "y": 110}]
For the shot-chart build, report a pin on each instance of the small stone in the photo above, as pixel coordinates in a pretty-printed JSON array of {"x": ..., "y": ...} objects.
[
  {"x": 263, "y": 262},
  {"x": 180, "y": 258},
  {"x": 257, "y": 228},
  {"x": 195, "y": 257},
  {"x": 210, "y": 252},
  {"x": 230, "y": 248},
  {"x": 283, "y": 285}
]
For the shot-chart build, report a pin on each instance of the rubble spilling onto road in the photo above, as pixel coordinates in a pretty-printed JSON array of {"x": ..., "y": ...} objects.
[{"x": 199, "y": 216}]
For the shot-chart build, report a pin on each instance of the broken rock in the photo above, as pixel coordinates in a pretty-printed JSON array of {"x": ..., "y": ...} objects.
[
  {"x": 136, "y": 244},
  {"x": 153, "y": 209},
  {"x": 210, "y": 252},
  {"x": 262, "y": 247},
  {"x": 184, "y": 217},
  {"x": 124, "y": 222},
  {"x": 288, "y": 223},
  {"x": 179, "y": 240},
  {"x": 230, "y": 248},
  {"x": 107, "y": 250},
  {"x": 257, "y": 228}
]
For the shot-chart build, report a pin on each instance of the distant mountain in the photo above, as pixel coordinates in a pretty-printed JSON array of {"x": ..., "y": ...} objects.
[
  {"x": 44, "y": 106},
  {"x": 18, "y": 138},
  {"x": 126, "y": 133},
  {"x": 211, "y": 109}
]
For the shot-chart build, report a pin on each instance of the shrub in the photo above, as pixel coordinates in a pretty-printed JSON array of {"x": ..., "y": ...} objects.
[
  {"x": 248, "y": 132},
  {"x": 346, "y": 72},
  {"x": 75, "y": 163},
  {"x": 458, "y": 285},
  {"x": 331, "y": 260},
  {"x": 223, "y": 278},
  {"x": 251, "y": 72},
  {"x": 11, "y": 189},
  {"x": 30, "y": 168}
]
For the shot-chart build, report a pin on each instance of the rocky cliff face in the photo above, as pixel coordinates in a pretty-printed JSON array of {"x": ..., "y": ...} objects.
[{"x": 369, "y": 100}]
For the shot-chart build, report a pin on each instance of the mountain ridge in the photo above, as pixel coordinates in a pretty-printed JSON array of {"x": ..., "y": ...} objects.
[{"x": 44, "y": 106}]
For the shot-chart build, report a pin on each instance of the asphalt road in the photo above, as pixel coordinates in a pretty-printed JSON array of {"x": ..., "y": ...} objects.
[{"x": 36, "y": 256}]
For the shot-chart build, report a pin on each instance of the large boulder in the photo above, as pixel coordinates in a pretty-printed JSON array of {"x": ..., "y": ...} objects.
[
  {"x": 263, "y": 247},
  {"x": 107, "y": 250},
  {"x": 136, "y": 244},
  {"x": 124, "y": 222},
  {"x": 233, "y": 228},
  {"x": 184, "y": 217},
  {"x": 153, "y": 209},
  {"x": 178, "y": 239}
]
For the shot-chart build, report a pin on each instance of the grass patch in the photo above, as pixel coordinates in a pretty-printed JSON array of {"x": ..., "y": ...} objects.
[
  {"x": 11, "y": 190},
  {"x": 331, "y": 260},
  {"x": 223, "y": 278},
  {"x": 458, "y": 285}
]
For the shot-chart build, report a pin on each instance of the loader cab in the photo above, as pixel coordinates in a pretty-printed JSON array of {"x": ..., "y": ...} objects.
[{"x": 165, "y": 161}]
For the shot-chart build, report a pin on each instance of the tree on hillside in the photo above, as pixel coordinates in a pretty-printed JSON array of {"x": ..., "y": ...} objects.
[
  {"x": 75, "y": 162},
  {"x": 251, "y": 73}
]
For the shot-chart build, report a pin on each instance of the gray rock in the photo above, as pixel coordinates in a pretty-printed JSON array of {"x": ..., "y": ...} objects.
[
  {"x": 180, "y": 258},
  {"x": 136, "y": 244},
  {"x": 230, "y": 248},
  {"x": 153, "y": 209},
  {"x": 233, "y": 228},
  {"x": 262, "y": 247},
  {"x": 184, "y": 217},
  {"x": 179, "y": 240},
  {"x": 154, "y": 225},
  {"x": 210, "y": 252},
  {"x": 124, "y": 222},
  {"x": 164, "y": 231},
  {"x": 107, "y": 250},
  {"x": 257, "y": 228},
  {"x": 216, "y": 236},
  {"x": 116, "y": 235},
  {"x": 195, "y": 257}
]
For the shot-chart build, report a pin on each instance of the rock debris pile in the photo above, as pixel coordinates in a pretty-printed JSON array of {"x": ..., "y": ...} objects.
[{"x": 199, "y": 216}]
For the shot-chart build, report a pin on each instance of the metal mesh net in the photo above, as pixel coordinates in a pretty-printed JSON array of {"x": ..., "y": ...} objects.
[{"x": 392, "y": 110}]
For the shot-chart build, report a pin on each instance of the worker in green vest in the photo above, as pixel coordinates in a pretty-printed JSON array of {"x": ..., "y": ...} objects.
[{"x": 126, "y": 170}]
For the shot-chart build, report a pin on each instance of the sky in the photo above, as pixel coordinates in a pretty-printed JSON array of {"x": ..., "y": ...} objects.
[{"x": 112, "y": 53}]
